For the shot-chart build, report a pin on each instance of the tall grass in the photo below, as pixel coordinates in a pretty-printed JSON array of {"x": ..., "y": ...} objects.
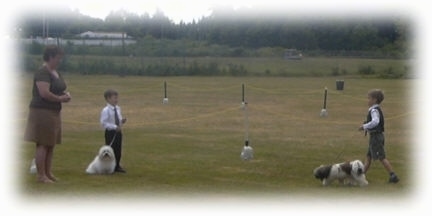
[{"x": 224, "y": 66}]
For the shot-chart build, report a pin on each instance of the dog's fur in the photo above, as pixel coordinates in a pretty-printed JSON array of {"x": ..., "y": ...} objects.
[
  {"x": 103, "y": 163},
  {"x": 351, "y": 173}
]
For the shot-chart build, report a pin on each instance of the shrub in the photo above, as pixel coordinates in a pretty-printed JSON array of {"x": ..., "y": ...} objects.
[
  {"x": 366, "y": 70},
  {"x": 390, "y": 73}
]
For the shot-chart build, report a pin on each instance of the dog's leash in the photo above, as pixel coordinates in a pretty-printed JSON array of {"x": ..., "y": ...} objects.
[
  {"x": 112, "y": 141},
  {"x": 343, "y": 147}
]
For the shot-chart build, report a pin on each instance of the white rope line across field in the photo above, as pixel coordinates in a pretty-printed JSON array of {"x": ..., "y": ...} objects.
[
  {"x": 227, "y": 110},
  {"x": 174, "y": 85},
  {"x": 207, "y": 115},
  {"x": 323, "y": 120},
  {"x": 201, "y": 116},
  {"x": 202, "y": 89}
]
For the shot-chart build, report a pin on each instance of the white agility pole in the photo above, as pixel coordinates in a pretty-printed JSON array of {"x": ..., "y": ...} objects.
[
  {"x": 324, "y": 109},
  {"x": 247, "y": 152},
  {"x": 165, "y": 100}
]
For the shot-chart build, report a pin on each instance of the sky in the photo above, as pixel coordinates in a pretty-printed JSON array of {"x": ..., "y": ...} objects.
[
  {"x": 187, "y": 11},
  {"x": 175, "y": 10}
]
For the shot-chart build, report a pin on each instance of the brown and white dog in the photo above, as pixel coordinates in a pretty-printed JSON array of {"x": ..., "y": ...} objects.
[{"x": 348, "y": 173}]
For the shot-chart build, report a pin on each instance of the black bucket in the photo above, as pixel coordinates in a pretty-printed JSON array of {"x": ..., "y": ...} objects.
[{"x": 340, "y": 85}]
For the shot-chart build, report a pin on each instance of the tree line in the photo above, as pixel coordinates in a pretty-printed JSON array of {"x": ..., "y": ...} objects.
[{"x": 242, "y": 28}]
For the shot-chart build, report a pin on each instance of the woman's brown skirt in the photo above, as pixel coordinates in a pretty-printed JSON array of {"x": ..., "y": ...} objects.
[{"x": 43, "y": 127}]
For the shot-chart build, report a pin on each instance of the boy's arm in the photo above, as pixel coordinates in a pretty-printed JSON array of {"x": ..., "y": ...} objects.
[
  {"x": 104, "y": 120},
  {"x": 122, "y": 120},
  {"x": 374, "y": 122}
]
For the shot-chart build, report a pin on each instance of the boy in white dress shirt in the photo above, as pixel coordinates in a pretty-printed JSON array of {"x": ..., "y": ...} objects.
[
  {"x": 374, "y": 125},
  {"x": 111, "y": 120}
]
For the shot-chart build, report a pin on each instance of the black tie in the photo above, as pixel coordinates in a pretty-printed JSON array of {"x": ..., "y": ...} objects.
[{"x": 116, "y": 118}]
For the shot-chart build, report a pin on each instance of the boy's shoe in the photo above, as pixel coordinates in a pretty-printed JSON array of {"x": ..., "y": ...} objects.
[
  {"x": 393, "y": 179},
  {"x": 120, "y": 169}
]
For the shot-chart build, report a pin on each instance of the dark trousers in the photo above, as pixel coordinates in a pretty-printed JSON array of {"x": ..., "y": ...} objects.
[{"x": 116, "y": 143}]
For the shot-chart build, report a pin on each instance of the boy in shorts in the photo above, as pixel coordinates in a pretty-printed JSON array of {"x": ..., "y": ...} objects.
[{"x": 374, "y": 125}]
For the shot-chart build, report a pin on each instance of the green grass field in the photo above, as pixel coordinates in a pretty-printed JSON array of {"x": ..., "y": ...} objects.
[{"x": 192, "y": 145}]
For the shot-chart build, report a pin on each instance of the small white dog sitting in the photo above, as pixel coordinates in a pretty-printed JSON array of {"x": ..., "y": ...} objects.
[
  {"x": 103, "y": 163},
  {"x": 351, "y": 173}
]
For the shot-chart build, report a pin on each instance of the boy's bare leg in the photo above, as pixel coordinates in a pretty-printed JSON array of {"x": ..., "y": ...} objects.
[
  {"x": 389, "y": 168},
  {"x": 367, "y": 163},
  {"x": 387, "y": 165}
]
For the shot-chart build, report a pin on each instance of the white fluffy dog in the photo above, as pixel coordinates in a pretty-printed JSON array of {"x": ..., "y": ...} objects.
[
  {"x": 103, "y": 163},
  {"x": 351, "y": 173}
]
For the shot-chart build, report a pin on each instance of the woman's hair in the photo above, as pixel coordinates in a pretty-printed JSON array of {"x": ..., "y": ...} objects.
[
  {"x": 377, "y": 94},
  {"x": 109, "y": 93},
  {"x": 51, "y": 51}
]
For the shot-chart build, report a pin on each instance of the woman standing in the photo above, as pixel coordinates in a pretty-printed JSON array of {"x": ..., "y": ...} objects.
[{"x": 44, "y": 120}]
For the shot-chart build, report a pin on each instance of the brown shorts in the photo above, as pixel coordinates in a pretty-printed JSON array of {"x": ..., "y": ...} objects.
[{"x": 43, "y": 127}]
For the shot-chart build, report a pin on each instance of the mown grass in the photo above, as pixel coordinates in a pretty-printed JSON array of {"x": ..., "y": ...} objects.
[{"x": 191, "y": 146}]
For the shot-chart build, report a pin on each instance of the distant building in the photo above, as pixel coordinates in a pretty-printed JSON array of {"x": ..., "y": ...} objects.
[
  {"x": 103, "y": 35},
  {"x": 87, "y": 39},
  {"x": 293, "y": 54}
]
